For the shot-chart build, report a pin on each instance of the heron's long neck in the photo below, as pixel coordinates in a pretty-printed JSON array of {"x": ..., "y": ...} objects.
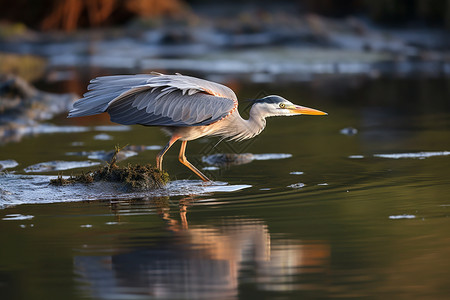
[{"x": 246, "y": 129}]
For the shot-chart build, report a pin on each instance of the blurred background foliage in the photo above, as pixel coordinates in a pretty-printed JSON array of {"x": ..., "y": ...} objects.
[{"x": 72, "y": 14}]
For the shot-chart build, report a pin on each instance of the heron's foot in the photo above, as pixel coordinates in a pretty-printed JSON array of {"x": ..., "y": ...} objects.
[
  {"x": 203, "y": 177},
  {"x": 185, "y": 162}
]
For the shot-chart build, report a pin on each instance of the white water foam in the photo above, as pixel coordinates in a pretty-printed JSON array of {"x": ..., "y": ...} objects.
[
  {"x": 356, "y": 156},
  {"x": 417, "y": 155},
  {"x": 296, "y": 173},
  {"x": 296, "y": 185},
  {"x": 396, "y": 217},
  {"x": 17, "y": 217},
  {"x": 270, "y": 156}
]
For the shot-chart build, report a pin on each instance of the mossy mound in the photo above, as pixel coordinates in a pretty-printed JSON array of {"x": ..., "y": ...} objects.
[
  {"x": 133, "y": 177},
  {"x": 137, "y": 177}
]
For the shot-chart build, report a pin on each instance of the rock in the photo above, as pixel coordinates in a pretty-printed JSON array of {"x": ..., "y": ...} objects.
[
  {"x": 227, "y": 159},
  {"x": 8, "y": 164},
  {"x": 23, "y": 106}
]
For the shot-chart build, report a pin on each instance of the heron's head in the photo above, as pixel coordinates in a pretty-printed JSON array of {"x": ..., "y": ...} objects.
[{"x": 278, "y": 106}]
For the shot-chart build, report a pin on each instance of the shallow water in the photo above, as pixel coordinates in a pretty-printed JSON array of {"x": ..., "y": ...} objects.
[{"x": 320, "y": 214}]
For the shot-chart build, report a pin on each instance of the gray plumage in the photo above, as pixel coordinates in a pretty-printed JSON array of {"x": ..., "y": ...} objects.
[
  {"x": 156, "y": 100},
  {"x": 186, "y": 107}
]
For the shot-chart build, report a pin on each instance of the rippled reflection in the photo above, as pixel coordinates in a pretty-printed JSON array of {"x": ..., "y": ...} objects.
[{"x": 203, "y": 261}]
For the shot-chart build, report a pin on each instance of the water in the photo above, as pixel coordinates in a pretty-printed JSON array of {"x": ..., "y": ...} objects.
[{"x": 325, "y": 214}]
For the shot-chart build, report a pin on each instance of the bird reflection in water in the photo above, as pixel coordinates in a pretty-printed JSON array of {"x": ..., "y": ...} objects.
[{"x": 203, "y": 261}]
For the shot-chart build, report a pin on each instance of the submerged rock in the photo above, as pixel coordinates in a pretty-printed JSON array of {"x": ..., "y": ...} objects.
[
  {"x": 8, "y": 164},
  {"x": 227, "y": 159}
]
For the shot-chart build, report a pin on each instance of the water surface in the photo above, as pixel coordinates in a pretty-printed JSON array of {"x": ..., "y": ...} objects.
[{"x": 359, "y": 215}]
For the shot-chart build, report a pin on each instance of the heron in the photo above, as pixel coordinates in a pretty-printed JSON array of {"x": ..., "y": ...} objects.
[{"x": 185, "y": 107}]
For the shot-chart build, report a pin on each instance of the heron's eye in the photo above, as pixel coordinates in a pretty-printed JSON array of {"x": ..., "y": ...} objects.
[{"x": 282, "y": 105}]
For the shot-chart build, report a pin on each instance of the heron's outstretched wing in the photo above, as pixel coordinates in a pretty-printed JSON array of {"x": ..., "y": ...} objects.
[{"x": 163, "y": 100}]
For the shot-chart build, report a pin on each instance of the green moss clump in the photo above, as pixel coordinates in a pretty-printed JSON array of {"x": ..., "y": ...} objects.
[
  {"x": 134, "y": 178},
  {"x": 82, "y": 178}
]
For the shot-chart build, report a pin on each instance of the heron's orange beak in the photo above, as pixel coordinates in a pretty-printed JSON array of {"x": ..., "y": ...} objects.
[{"x": 306, "y": 111}]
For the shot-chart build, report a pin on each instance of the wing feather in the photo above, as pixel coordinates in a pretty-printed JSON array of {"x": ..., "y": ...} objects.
[{"x": 161, "y": 100}]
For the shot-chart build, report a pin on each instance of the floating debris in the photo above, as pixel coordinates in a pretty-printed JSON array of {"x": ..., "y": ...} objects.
[
  {"x": 59, "y": 165},
  {"x": 296, "y": 185},
  {"x": 418, "y": 155},
  {"x": 348, "y": 131},
  {"x": 8, "y": 164},
  {"x": 15, "y": 217},
  {"x": 396, "y": 217}
]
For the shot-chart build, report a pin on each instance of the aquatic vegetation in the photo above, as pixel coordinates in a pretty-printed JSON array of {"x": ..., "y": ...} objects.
[{"x": 133, "y": 177}]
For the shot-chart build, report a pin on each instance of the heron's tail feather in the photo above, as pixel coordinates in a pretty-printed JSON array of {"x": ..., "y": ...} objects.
[{"x": 103, "y": 90}]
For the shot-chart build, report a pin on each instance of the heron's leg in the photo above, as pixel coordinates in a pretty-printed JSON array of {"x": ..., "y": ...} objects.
[
  {"x": 159, "y": 157},
  {"x": 185, "y": 162}
]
